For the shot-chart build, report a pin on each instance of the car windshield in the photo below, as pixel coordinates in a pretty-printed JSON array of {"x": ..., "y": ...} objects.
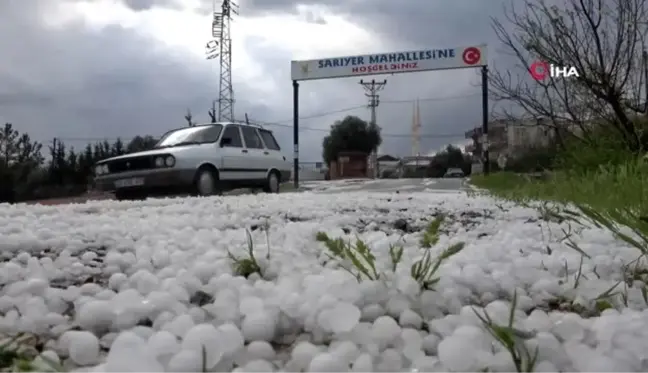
[{"x": 190, "y": 136}]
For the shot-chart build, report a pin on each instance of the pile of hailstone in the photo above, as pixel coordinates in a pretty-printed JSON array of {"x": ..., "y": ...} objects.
[{"x": 158, "y": 291}]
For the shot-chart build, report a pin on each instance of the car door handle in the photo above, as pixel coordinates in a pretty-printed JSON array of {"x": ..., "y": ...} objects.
[
  {"x": 266, "y": 153},
  {"x": 243, "y": 151}
]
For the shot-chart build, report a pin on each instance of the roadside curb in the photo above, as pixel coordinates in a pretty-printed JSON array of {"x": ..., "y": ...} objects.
[{"x": 468, "y": 186}]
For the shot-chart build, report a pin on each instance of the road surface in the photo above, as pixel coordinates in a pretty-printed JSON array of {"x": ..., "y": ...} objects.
[
  {"x": 334, "y": 186},
  {"x": 385, "y": 185}
]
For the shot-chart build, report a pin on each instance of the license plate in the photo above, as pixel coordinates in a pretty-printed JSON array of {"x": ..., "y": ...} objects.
[{"x": 126, "y": 183}]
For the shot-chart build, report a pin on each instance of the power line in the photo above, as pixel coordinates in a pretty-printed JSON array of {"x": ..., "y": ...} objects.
[{"x": 314, "y": 116}]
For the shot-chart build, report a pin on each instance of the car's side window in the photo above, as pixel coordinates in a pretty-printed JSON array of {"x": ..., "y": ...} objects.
[
  {"x": 269, "y": 140},
  {"x": 232, "y": 137},
  {"x": 210, "y": 134},
  {"x": 251, "y": 137}
]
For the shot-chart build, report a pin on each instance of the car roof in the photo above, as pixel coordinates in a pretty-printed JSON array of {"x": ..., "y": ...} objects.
[{"x": 258, "y": 126}]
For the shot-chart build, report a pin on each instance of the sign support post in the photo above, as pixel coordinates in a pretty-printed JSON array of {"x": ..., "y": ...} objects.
[
  {"x": 486, "y": 145},
  {"x": 296, "y": 133}
]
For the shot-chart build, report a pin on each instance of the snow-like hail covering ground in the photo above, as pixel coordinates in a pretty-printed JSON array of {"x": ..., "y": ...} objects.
[{"x": 148, "y": 286}]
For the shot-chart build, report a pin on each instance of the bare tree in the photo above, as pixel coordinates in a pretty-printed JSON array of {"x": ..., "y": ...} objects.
[
  {"x": 189, "y": 118},
  {"x": 602, "y": 39},
  {"x": 212, "y": 113}
]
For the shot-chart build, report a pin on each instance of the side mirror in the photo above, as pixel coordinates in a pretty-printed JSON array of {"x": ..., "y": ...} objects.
[{"x": 226, "y": 141}]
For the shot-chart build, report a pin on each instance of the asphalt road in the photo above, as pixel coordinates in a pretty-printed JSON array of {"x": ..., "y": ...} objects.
[
  {"x": 334, "y": 186},
  {"x": 385, "y": 185}
]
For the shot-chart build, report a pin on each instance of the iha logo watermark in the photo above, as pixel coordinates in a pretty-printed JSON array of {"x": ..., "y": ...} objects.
[{"x": 542, "y": 70}]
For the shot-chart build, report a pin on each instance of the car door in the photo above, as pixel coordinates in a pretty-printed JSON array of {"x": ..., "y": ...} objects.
[
  {"x": 272, "y": 152},
  {"x": 254, "y": 145},
  {"x": 235, "y": 158}
]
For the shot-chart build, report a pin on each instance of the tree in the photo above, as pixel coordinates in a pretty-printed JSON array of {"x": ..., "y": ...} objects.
[
  {"x": 602, "y": 40},
  {"x": 118, "y": 147},
  {"x": 189, "y": 118},
  {"x": 212, "y": 113},
  {"x": 350, "y": 134},
  {"x": 141, "y": 143},
  {"x": 450, "y": 157},
  {"x": 19, "y": 157},
  {"x": 8, "y": 145}
]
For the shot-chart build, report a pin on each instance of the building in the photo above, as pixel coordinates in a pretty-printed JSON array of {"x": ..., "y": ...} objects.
[
  {"x": 349, "y": 165},
  {"x": 387, "y": 165},
  {"x": 414, "y": 166},
  {"x": 509, "y": 139}
]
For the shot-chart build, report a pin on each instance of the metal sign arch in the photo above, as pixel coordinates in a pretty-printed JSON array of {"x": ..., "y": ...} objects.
[{"x": 432, "y": 59}]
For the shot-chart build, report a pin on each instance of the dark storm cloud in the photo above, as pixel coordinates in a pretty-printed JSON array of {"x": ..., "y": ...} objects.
[
  {"x": 74, "y": 83},
  {"x": 143, "y": 4}
]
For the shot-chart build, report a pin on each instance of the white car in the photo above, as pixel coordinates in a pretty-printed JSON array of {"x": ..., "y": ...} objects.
[
  {"x": 454, "y": 172},
  {"x": 203, "y": 160}
]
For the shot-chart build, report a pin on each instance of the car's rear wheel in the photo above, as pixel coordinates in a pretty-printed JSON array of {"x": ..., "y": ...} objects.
[
  {"x": 272, "y": 184},
  {"x": 206, "y": 183}
]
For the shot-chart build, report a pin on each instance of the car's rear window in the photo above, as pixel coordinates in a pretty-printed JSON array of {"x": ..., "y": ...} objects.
[{"x": 269, "y": 140}]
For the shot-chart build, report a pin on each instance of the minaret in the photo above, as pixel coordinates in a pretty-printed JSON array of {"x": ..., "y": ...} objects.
[{"x": 416, "y": 127}]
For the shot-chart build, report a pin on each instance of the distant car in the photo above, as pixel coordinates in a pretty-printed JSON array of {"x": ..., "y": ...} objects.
[
  {"x": 454, "y": 172},
  {"x": 203, "y": 160}
]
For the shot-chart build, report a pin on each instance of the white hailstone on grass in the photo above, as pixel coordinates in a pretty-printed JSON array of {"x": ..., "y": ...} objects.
[
  {"x": 95, "y": 314},
  {"x": 129, "y": 353},
  {"x": 205, "y": 338},
  {"x": 144, "y": 281},
  {"x": 232, "y": 338},
  {"x": 390, "y": 360},
  {"x": 261, "y": 366},
  {"x": 303, "y": 354},
  {"x": 569, "y": 328},
  {"x": 363, "y": 363},
  {"x": 186, "y": 361},
  {"x": 385, "y": 330},
  {"x": 371, "y": 312},
  {"x": 343, "y": 317},
  {"x": 160, "y": 300},
  {"x": 426, "y": 364},
  {"x": 48, "y": 360},
  {"x": 90, "y": 289},
  {"x": 117, "y": 280},
  {"x": 259, "y": 326},
  {"x": 180, "y": 325},
  {"x": 409, "y": 318},
  {"x": 326, "y": 362},
  {"x": 545, "y": 367},
  {"x": 430, "y": 344},
  {"x": 163, "y": 344},
  {"x": 397, "y": 304},
  {"x": 250, "y": 305},
  {"x": 260, "y": 350},
  {"x": 198, "y": 315},
  {"x": 161, "y": 320},
  {"x": 452, "y": 349},
  {"x": 84, "y": 348},
  {"x": 412, "y": 344},
  {"x": 36, "y": 286},
  {"x": 143, "y": 331},
  {"x": 347, "y": 351}
]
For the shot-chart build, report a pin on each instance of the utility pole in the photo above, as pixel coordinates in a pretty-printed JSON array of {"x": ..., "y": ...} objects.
[
  {"x": 221, "y": 46},
  {"x": 371, "y": 89}
]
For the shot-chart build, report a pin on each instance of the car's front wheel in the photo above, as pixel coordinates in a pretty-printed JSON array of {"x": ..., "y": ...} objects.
[
  {"x": 272, "y": 183},
  {"x": 206, "y": 183}
]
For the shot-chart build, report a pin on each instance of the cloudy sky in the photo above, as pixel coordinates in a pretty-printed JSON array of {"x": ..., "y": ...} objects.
[{"x": 86, "y": 70}]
